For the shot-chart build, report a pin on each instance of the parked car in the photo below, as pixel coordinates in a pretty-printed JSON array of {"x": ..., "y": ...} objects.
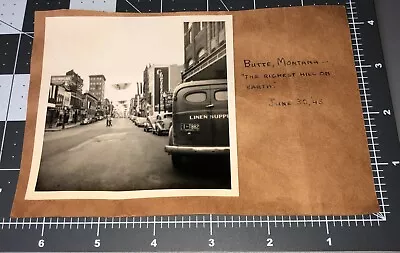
[
  {"x": 140, "y": 121},
  {"x": 200, "y": 123},
  {"x": 86, "y": 121},
  {"x": 163, "y": 123},
  {"x": 150, "y": 124}
]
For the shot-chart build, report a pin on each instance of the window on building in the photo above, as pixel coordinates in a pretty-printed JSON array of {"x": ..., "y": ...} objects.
[
  {"x": 190, "y": 24},
  {"x": 201, "y": 53},
  {"x": 214, "y": 29},
  {"x": 202, "y": 25},
  {"x": 190, "y": 35}
]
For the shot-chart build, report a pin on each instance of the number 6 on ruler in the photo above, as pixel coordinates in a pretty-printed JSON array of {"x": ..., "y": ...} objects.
[{"x": 41, "y": 243}]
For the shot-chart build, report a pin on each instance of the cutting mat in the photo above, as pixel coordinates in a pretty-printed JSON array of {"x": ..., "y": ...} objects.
[{"x": 377, "y": 231}]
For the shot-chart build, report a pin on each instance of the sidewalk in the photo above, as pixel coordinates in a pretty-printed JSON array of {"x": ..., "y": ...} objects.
[{"x": 59, "y": 128}]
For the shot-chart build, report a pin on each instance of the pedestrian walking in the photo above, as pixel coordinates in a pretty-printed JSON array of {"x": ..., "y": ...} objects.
[
  {"x": 63, "y": 121},
  {"x": 107, "y": 121}
]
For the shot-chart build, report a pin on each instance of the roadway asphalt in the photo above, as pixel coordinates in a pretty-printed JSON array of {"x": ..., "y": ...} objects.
[{"x": 119, "y": 158}]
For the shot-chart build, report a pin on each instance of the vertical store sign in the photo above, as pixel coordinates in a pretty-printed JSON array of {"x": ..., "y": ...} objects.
[{"x": 161, "y": 83}]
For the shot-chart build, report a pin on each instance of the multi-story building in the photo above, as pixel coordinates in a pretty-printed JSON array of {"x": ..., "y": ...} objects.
[
  {"x": 205, "y": 51},
  {"x": 74, "y": 85},
  {"x": 68, "y": 86},
  {"x": 159, "y": 81},
  {"x": 138, "y": 105},
  {"x": 97, "y": 86},
  {"x": 89, "y": 105},
  {"x": 75, "y": 82},
  {"x": 132, "y": 106},
  {"x": 58, "y": 104},
  {"x": 107, "y": 106}
]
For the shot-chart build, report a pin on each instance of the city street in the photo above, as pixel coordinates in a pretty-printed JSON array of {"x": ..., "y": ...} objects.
[{"x": 119, "y": 158}]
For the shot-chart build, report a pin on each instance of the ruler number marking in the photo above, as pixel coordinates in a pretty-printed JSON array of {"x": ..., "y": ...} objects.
[
  {"x": 41, "y": 243},
  {"x": 270, "y": 242},
  {"x": 154, "y": 243},
  {"x": 329, "y": 240},
  {"x": 387, "y": 112},
  {"x": 378, "y": 65},
  {"x": 211, "y": 242},
  {"x": 97, "y": 243}
]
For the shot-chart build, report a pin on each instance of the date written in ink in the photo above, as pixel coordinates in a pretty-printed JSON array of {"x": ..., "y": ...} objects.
[{"x": 295, "y": 102}]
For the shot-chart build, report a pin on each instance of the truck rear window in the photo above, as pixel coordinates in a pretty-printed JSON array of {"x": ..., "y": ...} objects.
[
  {"x": 221, "y": 95},
  {"x": 196, "y": 97}
]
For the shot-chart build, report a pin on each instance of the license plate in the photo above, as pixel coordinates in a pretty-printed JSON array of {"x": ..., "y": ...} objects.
[{"x": 190, "y": 127}]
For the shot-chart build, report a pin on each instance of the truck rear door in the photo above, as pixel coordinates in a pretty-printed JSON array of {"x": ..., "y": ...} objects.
[
  {"x": 191, "y": 120},
  {"x": 219, "y": 112}
]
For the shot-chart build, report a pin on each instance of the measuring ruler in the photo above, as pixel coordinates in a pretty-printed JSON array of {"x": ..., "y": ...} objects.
[{"x": 207, "y": 232}]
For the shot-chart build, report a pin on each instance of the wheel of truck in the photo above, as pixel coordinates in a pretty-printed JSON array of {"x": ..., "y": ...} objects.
[{"x": 177, "y": 161}]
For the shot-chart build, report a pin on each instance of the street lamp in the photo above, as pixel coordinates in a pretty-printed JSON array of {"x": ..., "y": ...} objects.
[{"x": 164, "y": 95}]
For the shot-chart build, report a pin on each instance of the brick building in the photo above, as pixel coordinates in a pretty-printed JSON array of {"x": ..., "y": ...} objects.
[
  {"x": 205, "y": 51},
  {"x": 67, "y": 87},
  {"x": 58, "y": 104},
  {"x": 74, "y": 85},
  {"x": 89, "y": 105}
]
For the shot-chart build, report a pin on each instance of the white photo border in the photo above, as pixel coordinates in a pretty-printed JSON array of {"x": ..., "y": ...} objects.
[{"x": 31, "y": 194}]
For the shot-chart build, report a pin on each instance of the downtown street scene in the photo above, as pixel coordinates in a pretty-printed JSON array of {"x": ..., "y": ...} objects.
[
  {"x": 163, "y": 127},
  {"x": 119, "y": 158}
]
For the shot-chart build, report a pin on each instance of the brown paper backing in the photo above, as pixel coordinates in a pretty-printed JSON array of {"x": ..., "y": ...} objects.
[{"x": 291, "y": 161}]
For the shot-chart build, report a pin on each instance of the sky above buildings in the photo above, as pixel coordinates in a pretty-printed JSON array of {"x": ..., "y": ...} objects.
[{"x": 118, "y": 48}]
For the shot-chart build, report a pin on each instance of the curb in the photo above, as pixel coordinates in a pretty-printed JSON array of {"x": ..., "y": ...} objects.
[{"x": 59, "y": 128}]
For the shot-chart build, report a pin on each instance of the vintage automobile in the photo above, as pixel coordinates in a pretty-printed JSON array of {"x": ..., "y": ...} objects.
[
  {"x": 139, "y": 121},
  {"x": 86, "y": 121},
  {"x": 163, "y": 123},
  {"x": 132, "y": 117},
  {"x": 200, "y": 120},
  {"x": 150, "y": 124}
]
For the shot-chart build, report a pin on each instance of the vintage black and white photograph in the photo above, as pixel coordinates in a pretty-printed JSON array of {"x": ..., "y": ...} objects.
[{"x": 136, "y": 107}]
